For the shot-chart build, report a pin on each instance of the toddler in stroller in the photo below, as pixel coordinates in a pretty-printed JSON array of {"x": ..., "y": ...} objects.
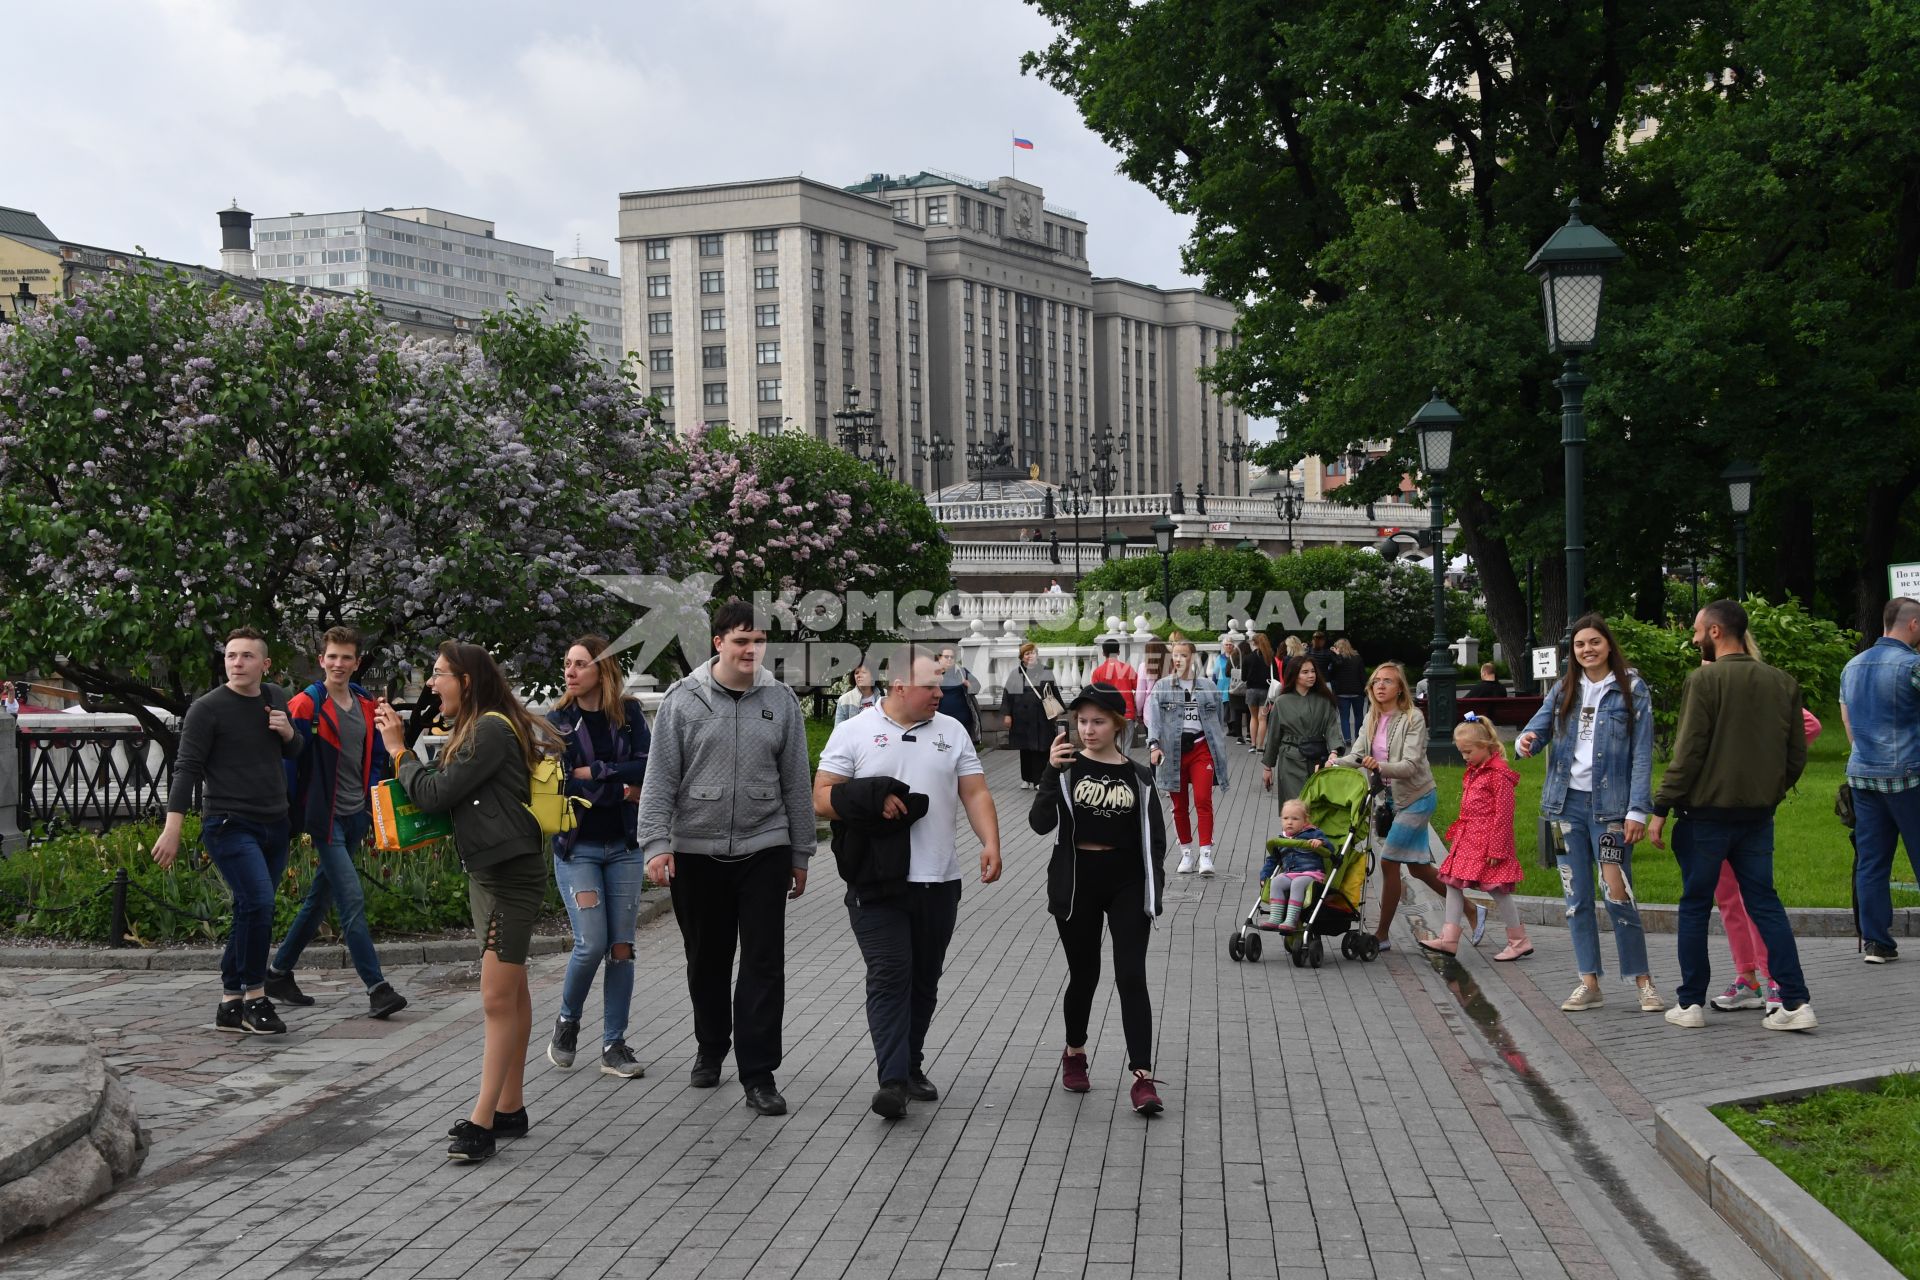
[{"x": 1291, "y": 872}]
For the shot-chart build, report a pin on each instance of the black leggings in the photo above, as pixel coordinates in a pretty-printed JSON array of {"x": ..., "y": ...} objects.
[
  {"x": 1120, "y": 901},
  {"x": 1033, "y": 764}
]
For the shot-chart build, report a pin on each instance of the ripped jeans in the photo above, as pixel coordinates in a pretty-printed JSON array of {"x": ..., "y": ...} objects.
[
  {"x": 1579, "y": 863},
  {"x": 600, "y": 885}
]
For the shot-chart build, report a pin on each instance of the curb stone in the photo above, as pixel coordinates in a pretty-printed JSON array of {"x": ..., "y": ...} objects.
[
  {"x": 1663, "y": 917},
  {"x": 653, "y": 903},
  {"x": 1799, "y": 1237}
]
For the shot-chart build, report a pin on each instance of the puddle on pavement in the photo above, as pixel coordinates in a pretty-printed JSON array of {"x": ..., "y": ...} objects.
[{"x": 1593, "y": 1162}]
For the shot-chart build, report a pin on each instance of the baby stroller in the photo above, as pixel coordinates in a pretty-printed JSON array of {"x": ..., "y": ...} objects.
[{"x": 1341, "y": 803}]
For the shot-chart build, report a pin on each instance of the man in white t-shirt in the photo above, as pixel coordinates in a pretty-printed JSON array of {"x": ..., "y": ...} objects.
[{"x": 903, "y": 937}]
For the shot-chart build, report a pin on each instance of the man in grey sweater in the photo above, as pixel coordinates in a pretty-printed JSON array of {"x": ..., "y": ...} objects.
[
  {"x": 232, "y": 745},
  {"x": 726, "y": 822}
]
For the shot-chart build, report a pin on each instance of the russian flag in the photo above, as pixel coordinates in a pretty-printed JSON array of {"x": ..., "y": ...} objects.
[{"x": 1023, "y": 144}]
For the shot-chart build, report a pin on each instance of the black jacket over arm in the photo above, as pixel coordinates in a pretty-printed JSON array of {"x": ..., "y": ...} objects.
[{"x": 874, "y": 854}]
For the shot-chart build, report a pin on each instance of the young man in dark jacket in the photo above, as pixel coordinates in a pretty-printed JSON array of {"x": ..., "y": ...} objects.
[
  {"x": 726, "y": 823},
  {"x": 1740, "y": 747},
  {"x": 232, "y": 743},
  {"x": 342, "y": 759}
]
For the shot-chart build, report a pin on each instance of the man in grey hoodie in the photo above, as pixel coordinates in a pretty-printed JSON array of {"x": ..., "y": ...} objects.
[{"x": 726, "y": 822}]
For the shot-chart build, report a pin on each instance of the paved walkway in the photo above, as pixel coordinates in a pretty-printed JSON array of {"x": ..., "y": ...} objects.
[{"x": 1407, "y": 1118}]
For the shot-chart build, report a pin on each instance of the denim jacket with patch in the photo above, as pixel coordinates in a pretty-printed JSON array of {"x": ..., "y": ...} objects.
[{"x": 1622, "y": 759}]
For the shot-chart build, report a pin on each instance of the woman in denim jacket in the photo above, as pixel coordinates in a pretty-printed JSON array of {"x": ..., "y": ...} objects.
[
  {"x": 1186, "y": 745},
  {"x": 1598, "y": 793}
]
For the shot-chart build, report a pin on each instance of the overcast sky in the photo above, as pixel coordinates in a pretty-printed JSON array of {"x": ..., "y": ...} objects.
[{"x": 134, "y": 122}]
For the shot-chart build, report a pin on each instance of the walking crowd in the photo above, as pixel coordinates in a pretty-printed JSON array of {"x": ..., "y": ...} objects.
[{"x": 714, "y": 800}]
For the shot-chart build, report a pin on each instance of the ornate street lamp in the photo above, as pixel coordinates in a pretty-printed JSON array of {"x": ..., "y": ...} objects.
[
  {"x": 1434, "y": 426},
  {"x": 1234, "y": 452},
  {"x": 1163, "y": 531},
  {"x": 1103, "y": 473},
  {"x": 24, "y": 304},
  {"x": 1572, "y": 266},
  {"x": 937, "y": 450},
  {"x": 1286, "y": 505},
  {"x": 1077, "y": 501},
  {"x": 1741, "y": 479},
  {"x": 860, "y": 433}
]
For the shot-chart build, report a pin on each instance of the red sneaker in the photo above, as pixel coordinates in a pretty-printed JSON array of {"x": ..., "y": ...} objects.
[
  {"x": 1073, "y": 1073},
  {"x": 1146, "y": 1099}
]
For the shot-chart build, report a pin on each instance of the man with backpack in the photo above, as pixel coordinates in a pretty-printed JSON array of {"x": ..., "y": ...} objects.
[
  {"x": 726, "y": 823},
  {"x": 232, "y": 742},
  {"x": 342, "y": 759}
]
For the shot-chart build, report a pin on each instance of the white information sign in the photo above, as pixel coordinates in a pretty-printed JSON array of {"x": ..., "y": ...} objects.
[
  {"x": 1904, "y": 580},
  {"x": 1546, "y": 664}
]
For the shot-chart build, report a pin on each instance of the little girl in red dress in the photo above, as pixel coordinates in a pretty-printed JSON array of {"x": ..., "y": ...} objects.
[{"x": 1483, "y": 856}]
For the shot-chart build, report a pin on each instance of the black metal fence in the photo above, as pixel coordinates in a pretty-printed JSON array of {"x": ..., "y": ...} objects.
[{"x": 89, "y": 777}]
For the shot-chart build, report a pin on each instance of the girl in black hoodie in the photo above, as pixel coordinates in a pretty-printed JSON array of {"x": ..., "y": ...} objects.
[{"x": 1108, "y": 865}]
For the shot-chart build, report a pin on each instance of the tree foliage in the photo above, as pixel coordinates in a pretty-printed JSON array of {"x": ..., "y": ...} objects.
[
  {"x": 1369, "y": 177},
  {"x": 176, "y": 461}
]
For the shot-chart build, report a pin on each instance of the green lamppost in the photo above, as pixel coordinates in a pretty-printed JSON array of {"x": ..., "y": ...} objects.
[
  {"x": 1741, "y": 479},
  {"x": 1434, "y": 426},
  {"x": 1572, "y": 266}
]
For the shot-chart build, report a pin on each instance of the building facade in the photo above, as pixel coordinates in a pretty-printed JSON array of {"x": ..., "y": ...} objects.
[
  {"x": 961, "y": 311},
  {"x": 432, "y": 258}
]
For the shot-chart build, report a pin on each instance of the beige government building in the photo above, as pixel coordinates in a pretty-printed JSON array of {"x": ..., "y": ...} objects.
[{"x": 960, "y": 311}]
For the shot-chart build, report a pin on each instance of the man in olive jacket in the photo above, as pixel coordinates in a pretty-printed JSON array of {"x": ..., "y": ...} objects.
[
  {"x": 1740, "y": 746},
  {"x": 726, "y": 822}
]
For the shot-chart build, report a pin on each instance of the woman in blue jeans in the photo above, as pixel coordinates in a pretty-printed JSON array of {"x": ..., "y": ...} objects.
[
  {"x": 1598, "y": 793},
  {"x": 597, "y": 866}
]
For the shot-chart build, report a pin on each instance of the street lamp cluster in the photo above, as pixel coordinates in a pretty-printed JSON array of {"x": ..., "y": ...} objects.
[
  {"x": 860, "y": 434},
  {"x": 1104, "y": 475},
  {"x": 937, "y": 450},
  {"x": 992, "y": 450}
]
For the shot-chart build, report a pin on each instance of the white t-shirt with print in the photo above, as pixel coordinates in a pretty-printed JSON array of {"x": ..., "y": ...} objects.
[{"x": 930, "y": 757}]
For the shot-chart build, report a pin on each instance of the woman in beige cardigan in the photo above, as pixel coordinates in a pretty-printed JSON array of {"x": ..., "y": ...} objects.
[{"x": 1393, "y": 740}]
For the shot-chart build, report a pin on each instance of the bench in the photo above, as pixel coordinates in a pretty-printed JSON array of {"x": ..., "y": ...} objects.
[{"x": 1510, "y": 713}]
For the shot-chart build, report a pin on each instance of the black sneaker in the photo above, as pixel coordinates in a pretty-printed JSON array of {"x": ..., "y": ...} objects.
[
  {"x": 566, "y": 1039},
  {"x": 228, "y": 1018},
  {"x": 921, "y": 1089},
  {"x": 1878, "y": 954},
  {"x": 618, "y": 1060},
  {"x": 258, "y": 1018},
  {"x": 383, "y": 1001},
  {"x": 282, "y": 987},
  {"x": 506, "y": 1124},
  {"x": 705, "y": 1074},
  {"x": 890, "y": 1100},
  {"x": 471, "y": 1144}
]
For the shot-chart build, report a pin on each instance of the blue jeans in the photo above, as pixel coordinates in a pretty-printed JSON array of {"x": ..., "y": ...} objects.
[
  {"x": 1351, "y": 714},
  {"x": 1881, "y": 820},
  {"x": 1579, "y": 866},
  {"x": 251, "y": 856},
  {"x": 337, "y": 884},
  {"x": 1701, "y": 845},
  {"x": 610, "y": 875}
]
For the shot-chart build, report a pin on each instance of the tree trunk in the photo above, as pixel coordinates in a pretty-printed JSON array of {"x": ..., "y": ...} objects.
[
  {"x": 1793, "y": 566},
  {"x": 1879, "y": 527},
  {"x": 1506, "y": 593}
]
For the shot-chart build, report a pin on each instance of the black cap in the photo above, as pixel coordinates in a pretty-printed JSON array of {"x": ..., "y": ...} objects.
[{"x": 1103, "y": 696}]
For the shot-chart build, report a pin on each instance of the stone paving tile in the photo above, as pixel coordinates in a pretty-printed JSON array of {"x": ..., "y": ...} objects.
[{"x": 1329, "y": 1123}]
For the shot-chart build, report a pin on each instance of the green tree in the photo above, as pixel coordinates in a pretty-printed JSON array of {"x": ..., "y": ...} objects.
[
  {"x": 1368, "y": 177},
  {"x": 176, "y": 461}
]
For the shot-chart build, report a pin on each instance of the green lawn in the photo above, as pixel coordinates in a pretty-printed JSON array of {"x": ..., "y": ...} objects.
[
  {"x": 1854, "y": 1152},
  {"x": 1812, "y": 858}
]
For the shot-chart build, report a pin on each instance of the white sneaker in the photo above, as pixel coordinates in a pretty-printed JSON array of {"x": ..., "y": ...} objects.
[
  {"x": 1583, "y": 997},
  {"x": 1785, "y": 1019},
  {"x": 1688, "y": 1015},
  {"x": 1186, "y": 861},
  {"x": 1206, "y": 862}
]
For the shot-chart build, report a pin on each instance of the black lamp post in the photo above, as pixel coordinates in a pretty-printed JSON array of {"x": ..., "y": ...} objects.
[
  {"x": 1163, "y": 531},
  {"x": 860, "y": 434},
  {"x": 1740, "y": 478},
  {"x": 1572, "y": 266},
  {"x": 1078, "y": 502},
  {"x": 1234, "y": 452},
  {"x": 937, "y": 450},
  {"x": 1435, "y": 425},
  {"x": 1103, "y": 473},
  {"x": 1286, "y": 505},
  {"x": 23, "y": 304}
]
